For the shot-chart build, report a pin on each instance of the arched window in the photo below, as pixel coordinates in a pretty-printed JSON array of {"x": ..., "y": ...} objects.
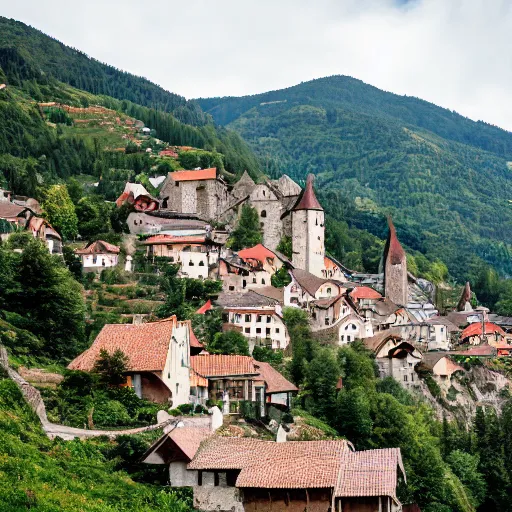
[
  {"x": 263, "y": 213},
  {"x": 263, "y": 281},
  {"x": 329, "y": 291},
  {"x": 201, "y": 263}
]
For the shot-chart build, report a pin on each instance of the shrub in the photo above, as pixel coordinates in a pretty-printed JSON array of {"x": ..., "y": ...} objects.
[
  {"x": 186, "y": 408},
  {"x": 199, "y": 409},
  {"x": 111, "y": 413}
]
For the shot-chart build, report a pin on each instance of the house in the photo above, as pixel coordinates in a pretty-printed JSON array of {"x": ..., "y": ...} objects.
[
  {"x": 258, "y": 317},
  {"x": 201, "y": 192},
  {"x": 98, "y": 255},
  {"x": 434, "y": 333},
  {"x": 158, "y": 357},
  {"x": 136, "y": 195},
  {"x": 394, "y": 356},
  {"x": 165, "y": 222},
  {"x": 475, "y": 334},
  {"x": 195, "y": 253},
  {"x": 5, "y": 196},
  {"x": 235, "y": 379},
  {"x": 333, "y": 269},
  {"x": 306, "y": 287},
  {"x": 23, "y": 217},
  {"x": 441, "y": 366},
  {"x": 244, "y": 474}
]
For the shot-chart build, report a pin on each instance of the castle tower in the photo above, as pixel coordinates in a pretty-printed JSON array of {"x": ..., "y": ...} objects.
[
  {"x": 465, "y": 299},
  {"x": 308, "y": 231},
  {"x": 395, "y": 268}
]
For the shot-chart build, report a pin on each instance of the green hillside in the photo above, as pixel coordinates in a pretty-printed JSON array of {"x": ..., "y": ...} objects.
[{"x": 444, "y": 177}]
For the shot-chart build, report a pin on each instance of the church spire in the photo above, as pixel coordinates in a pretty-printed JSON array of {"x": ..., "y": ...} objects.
[
  {"x": 308, "y": 200},
  {"x": 395, "y": 268},
  {"x": 395, "y": 252}
]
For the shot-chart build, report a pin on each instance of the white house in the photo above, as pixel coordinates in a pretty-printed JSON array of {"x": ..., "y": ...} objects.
[{"x": 98, "y": 255}]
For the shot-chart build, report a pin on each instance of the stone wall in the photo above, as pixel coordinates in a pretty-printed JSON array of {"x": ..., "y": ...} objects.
[
  {"x": 395, "y": 283},
  {"x": 219, "y": 499}
]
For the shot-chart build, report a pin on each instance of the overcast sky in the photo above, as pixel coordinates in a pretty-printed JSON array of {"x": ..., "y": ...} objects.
[{"x": 455, "y": 53}]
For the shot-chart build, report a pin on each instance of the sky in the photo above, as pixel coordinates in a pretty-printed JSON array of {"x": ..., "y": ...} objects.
[{"x": 454, "y": 53}]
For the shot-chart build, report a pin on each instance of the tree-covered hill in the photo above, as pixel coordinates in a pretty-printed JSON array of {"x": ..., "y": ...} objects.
[
  {"x": 444, "y": 177},
  {"x": 74, "y": 67}
]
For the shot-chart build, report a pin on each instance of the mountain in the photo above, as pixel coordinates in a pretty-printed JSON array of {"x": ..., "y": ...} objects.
[{"x": 445, "y": 179}]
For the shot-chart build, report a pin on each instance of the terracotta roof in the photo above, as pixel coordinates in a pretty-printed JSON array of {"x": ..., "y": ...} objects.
[
  {"x": 465, "y": 297},
  {"x": 327, "y": 302},
  {"x": 202, "y": 174},
  {"x": 188, "y": 439},
  {"x": 207, "y": 306},
  {"x": 173, "y": 239},
  {"x": 365, "y": 292},
  {"x": 430, "y": 359},
  {"x": 369, "y": 473},
  {"x": 145, "y": 345},
  {"x": 220, "y": 365},
  {"x": 307, "y": 200},
  {"x": 197, "y": 380},
  {"x": 480, "y": 351},
  {"x": 475, "y": 329},
  {"x": 394, "y": 250},
  {"x": 460, "y": 318},
  {"x": 258, "y": 252},
  {"x": 308, "y": 281},
  {"x": 98, "y": 247},
  {"x": 275, "y": 382}
]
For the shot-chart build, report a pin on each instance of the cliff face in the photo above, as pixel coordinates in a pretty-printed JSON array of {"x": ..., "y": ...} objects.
[{"x": 459, "y": 399}]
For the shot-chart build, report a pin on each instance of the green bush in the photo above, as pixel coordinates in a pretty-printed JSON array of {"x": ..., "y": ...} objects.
[
  {"x": 111, "y": 413},
  {"x": 199, "y": 409},
  {"x": 186, "y": 408}
]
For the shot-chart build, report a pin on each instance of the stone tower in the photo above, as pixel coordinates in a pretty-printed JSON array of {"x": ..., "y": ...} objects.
[
  {"x": 465, "y": 299},
  {"x": 395, "y": 268},
  {"x": 308, "y": 231}
]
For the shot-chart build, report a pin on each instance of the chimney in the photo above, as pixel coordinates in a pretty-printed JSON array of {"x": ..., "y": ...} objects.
[{"x": 138, "y": 319}]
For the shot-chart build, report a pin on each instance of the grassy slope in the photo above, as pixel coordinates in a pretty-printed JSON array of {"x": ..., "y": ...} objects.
[{"x": 56, "y": 476}]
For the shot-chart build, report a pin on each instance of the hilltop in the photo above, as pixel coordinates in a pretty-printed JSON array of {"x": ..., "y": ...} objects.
[{"x": 444, "y": 177}]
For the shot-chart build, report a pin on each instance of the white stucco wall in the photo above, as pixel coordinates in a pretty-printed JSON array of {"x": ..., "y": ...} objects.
[{"x": 102, "y": 260}]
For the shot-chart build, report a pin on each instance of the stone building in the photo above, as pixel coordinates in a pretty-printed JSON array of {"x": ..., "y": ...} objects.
[
  {"x": 308, "y": 232},
  {"x": 201, "y": 192},
  {"x": 395, "y": 269}
]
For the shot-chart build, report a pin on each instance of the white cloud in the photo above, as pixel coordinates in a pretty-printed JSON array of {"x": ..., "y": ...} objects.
[{"x": 454, "y": 53}]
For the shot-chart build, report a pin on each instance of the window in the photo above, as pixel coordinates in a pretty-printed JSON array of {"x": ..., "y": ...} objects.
[
  {"x": 216, "y": 479},
  {"x": 410, "y": 365},
  {"x": 269, "y": 319},
  {"x": 263, "y": 213},
  {"x": 231, "y": 288},
  {"x": 267, "y": 331},
  {"x": 172, "y": 259},
  {"x": 277, "y": 330},
  {"x": 177, "y": 184},
  {"x": 342, "y": 337},
  {"x": 258, "y": 330},
  {"x": 94, "y": 258},
  {"x": 199, "y": 478},
  {"x": 405, "y": 378},
  {"x": 238, "y": 318},
  {"x": 329, "y": 291},
  {"x": 349, "y": 338},
  {"x": 169, "y": 247},
  {"x": 190, "y": 263},
  {"x": 412, "y": 377},
  {"x": 262, "y": 225},
  {"x": 262, "y": 281},
  {"x": 201, "y": 263},
  {"x": 258, "y": 318},
  {"x": 247, "y": 330},
  {"x": 254, "y": 280},
  {"x": 248, "y": 318},
  {"x": 264, "y": 193},
  {"x": 225, "y": 317},
  {"x": 442, "y": 329},
  {"x": 244, "y": 283}
]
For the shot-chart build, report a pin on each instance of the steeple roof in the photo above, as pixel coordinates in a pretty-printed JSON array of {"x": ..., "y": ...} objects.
[
  {"x": 395, "y": 251},
  {"x": 464, "y": 298},
  {"x": 308, "y": 200}
]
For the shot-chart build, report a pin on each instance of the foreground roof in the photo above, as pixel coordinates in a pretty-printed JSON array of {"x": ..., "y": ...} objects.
[
  {"x": 258, "y": 252},
  {"x": 248, "y": 300},
  {"x": 199, "y": 175},
  {"x": 308, "y": 281},
  {"x": 188, "y": 439},
  {"x": 10, "y": 210},
  {"x": 369, "y": 473},
  {"x": 145, "y": 345},
  {"x": 365, "y": 292},
  {"x": 375, "y": 342}
]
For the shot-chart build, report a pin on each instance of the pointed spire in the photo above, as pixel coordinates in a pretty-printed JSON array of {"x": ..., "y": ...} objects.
[
  {"x": 465, "y": 298},
  {"x": 395, "y": 251},
  {"x": 308, "y": 200}
]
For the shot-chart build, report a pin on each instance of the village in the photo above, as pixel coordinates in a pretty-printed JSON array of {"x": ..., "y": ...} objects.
[{"x": 392, "y": 313}]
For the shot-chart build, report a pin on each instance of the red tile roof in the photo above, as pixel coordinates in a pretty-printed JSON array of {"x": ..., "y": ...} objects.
[
  {"x": 482, "y": 350},
  {"x": 10, "y": 210},
  {"x": 172, "y": 239},
  {"x": 204, "y": 308},
  {"x": 188, "y": 439},
  {"x": 258, "y": 252},
  {"x": 194, "y": 342},
  {"x": 199, "y": 175},
  {"x": 145, "y": 345},
  {"x": 369, "y": 473},
  {"x": 168, "y": 152},
  {"x": 308, "y": 281},
  {"x": 365, "y": 292},
  {"x": 98, "y": 247},
  {"x": 219, "y": 365},
  {"x": 275, "y": 382},
  {"x": 475, "y": 329},
  {"x": 308, "y": 200},
  {"x": 395, "y": 250}
]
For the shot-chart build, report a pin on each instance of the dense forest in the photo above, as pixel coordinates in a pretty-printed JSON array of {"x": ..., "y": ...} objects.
[{"x": 444, "y": 178}]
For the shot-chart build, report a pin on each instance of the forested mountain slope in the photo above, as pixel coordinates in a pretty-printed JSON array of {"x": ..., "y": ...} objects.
[{"x": 444, "y": 177}]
